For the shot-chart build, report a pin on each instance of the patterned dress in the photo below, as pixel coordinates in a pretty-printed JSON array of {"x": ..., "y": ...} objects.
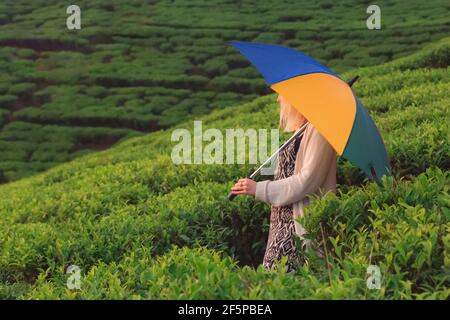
[{"x": 281, "y": 240}]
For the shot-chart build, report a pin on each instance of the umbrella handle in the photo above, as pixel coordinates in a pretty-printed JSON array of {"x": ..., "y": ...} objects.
[{"x": 231, "y": 196}]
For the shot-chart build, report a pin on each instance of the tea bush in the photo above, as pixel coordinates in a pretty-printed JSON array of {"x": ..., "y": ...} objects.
[
  {"x": 403, "y": 229},
  {"x": 142, "y": 227},
  {"x": 142, "y": 74}
]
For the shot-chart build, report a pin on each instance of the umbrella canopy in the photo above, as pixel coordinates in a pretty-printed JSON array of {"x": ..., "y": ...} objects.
[{"x": 325, "y": 100}]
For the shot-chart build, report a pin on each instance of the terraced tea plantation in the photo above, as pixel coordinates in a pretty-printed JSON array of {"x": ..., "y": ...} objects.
[
  {"x": 137, "y": 66},
  {"x": 140, "y": 227}
]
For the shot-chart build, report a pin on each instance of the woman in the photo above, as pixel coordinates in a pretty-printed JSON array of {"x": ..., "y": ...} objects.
[{"x": 306, "y": 168}]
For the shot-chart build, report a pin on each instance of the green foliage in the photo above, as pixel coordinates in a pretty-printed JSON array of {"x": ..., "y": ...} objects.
[
  {"x": 147, "y": 66},
  {"x": 403, "y": 229},
  {"x": 141, "y": 227}
]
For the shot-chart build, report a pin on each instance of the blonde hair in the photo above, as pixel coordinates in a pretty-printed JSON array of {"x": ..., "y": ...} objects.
[{"x": 290, "y": 118}]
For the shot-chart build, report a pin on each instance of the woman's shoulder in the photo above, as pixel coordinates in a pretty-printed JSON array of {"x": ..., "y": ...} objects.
[
  {"x": 310, "y": 129},
  {"x": 312, "y": 136}
]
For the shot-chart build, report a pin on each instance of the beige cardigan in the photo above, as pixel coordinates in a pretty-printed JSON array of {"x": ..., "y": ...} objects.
[{"x": 314, "y": 173}]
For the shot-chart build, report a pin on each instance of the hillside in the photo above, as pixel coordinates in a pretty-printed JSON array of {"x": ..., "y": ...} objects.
[
  {"x": 140, "y": 227},
  {"x": 137, "y": 66}
]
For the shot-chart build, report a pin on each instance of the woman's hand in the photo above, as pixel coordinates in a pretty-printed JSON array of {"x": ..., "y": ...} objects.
[{"x": 244, "y": 186}]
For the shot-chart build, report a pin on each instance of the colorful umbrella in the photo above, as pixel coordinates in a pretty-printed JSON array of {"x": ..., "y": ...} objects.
[{"x": 325, "y": 100}]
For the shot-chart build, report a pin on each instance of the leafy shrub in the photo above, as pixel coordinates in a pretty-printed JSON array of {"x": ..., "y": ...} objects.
[{"x": 141, "y": 227}]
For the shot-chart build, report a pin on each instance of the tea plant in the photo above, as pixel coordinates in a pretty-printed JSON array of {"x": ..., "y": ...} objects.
[{"x": 141, "y": 227}]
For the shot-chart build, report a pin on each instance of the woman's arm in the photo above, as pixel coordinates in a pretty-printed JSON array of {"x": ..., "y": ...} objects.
[{"x": 319, "y": 157}]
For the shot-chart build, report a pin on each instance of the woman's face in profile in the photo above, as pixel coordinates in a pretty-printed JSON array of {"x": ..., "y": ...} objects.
[
  {"x": 290, "y": 118},
  {"x": 284, "y": 103}
]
